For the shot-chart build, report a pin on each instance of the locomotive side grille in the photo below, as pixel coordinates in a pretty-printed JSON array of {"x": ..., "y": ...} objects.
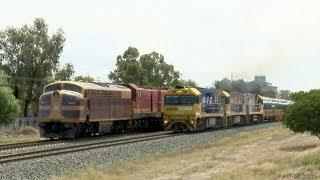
[
  {"x": 172, "y": 109},
  {"x": 116, "y": 94},
  {"x": 105, "y": 94}
]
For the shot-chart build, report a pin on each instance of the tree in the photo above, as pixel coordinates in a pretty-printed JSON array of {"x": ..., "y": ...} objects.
[
  {"x": 30, "y": 58},
  {"x": 84, "y": 78},
  {"x": 10, "y": 108},
  {"x": 64, "y": 73},
  {"x": 148, "y": 70},
  {"x": 224, "y": 84},
  {"x": 304, "y": 114},
  {"x": 187, "y": 83},
  {"x": 239, "y": 86},
  {"x": 128, "y": 69}
]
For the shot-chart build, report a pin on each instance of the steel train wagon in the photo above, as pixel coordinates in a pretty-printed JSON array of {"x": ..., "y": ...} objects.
[
  {"x": 193, "y": 109},
  {"x": 78, "y": 109}
]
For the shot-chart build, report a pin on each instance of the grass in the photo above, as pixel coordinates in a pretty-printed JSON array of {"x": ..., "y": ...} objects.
[
  {"x": 22, "y": 134},
  {"x": 272, "y": 153}
]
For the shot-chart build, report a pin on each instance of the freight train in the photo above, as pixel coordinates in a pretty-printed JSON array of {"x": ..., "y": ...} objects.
[
  {"x": 78, "y": 109},
  {"x": 194, "y": 109}
]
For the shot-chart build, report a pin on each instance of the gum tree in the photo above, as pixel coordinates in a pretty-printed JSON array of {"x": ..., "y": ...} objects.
[
  {"x": 304, "y": 114},
  {"x": 30, "y": 56}
]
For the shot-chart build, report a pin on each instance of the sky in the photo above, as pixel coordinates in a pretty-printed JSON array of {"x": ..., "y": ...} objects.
[{"x": 206, "y": 40}]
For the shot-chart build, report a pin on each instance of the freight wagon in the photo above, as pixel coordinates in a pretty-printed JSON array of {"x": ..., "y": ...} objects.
[{"x": 78, "y": 109}]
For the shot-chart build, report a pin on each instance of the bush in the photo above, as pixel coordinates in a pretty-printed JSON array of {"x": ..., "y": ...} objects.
[
  {"x": 304, "y": 114},
  {"x": 9, "y": 106}
]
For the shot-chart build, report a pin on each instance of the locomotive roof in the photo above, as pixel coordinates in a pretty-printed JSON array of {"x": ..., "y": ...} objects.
[
  {"x": 95, "y": 85},
  {"x": 183, "y": 91},
  {"x": 269, "y": 100}
]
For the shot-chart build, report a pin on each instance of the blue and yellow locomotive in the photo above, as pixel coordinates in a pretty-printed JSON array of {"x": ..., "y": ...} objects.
[{"x": 193, "y": 109}]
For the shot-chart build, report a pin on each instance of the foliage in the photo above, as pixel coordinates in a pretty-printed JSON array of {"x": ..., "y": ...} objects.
[
  {"x": 187, "y": 83},
  {"x": 128, "y": 68},
  {"x": 297, "y": 96},
  {"x": 84, "y": 78},
  {"x": 241, "y": 86},
  {"x": 304, "y": 114},
  {"x": 30, "y": 58},
  {"x": 64, "y": 73},
  {"x": 148, "y": 70},
  {"x": 224, "y": 84},
  {"x": 10, "y": 108}
]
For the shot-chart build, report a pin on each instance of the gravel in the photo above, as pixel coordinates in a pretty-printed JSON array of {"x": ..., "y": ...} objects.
[
  {"x": 44, "y": 168},
  {"x": 69, "y": 143}
]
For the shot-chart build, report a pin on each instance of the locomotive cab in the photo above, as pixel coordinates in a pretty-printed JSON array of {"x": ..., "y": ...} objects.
[
  {"x": 61, "y": 108},
  {"x": 182, "y": 109}
]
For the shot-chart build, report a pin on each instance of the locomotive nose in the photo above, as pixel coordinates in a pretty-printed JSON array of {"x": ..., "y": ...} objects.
[
  {"x": 55, "y": 100},
  {"x": 55, "y": 93}
]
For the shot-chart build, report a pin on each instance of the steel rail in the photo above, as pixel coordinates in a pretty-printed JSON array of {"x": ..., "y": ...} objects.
[{"x": 80, "y": 147}]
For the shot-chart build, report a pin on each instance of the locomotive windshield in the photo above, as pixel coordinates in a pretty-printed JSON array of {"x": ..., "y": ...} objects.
[
  {"x": 172, "y": 100},
  {"x": 188, "y": 100},
  {"x": 52, "y": 87},
  {"x": 70, "y": 100},
  {"x": 181, "y": 100},
  {"x": 59, "y": 86},
  {"x": 45, "y": 99},
  {"x": 72, "y": 87}
]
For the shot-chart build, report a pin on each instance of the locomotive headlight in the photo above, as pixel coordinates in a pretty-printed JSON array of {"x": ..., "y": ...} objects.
[{"x": 165, "y": 121}]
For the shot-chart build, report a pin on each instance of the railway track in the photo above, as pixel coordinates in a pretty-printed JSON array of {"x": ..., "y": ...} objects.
[
  {"x": 79, "y": 147},
  {"x": 4, "y": 147},
  {"x": 86, "y": 144}
]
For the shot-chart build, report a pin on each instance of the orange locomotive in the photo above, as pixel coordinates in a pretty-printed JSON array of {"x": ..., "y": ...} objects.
[{"x": 78, "y": 109}]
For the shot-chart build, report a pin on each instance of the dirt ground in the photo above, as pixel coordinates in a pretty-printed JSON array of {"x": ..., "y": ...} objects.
[
  {"x": 272, "y": 153},
  {"x": 22, "y": 134}
]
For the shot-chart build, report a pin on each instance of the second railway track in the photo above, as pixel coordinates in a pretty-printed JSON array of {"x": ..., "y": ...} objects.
[{"x": 80, "y": 147}]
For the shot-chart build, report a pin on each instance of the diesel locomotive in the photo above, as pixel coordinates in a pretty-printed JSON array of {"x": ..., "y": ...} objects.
[
  {"x": 78, "y": 109},
  {"x": 273, "y": 108},
  {"x": 194, "y": 109}
]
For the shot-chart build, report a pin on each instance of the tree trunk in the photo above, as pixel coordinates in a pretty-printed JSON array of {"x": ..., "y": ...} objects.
[
  {"x": 25, "y": 109},
  {"x": 16, "y": 93},
  {"x": 28, "y": 99}
]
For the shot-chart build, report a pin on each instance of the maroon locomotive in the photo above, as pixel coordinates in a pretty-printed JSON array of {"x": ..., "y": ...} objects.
[{"x": 77, "y": 109}]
